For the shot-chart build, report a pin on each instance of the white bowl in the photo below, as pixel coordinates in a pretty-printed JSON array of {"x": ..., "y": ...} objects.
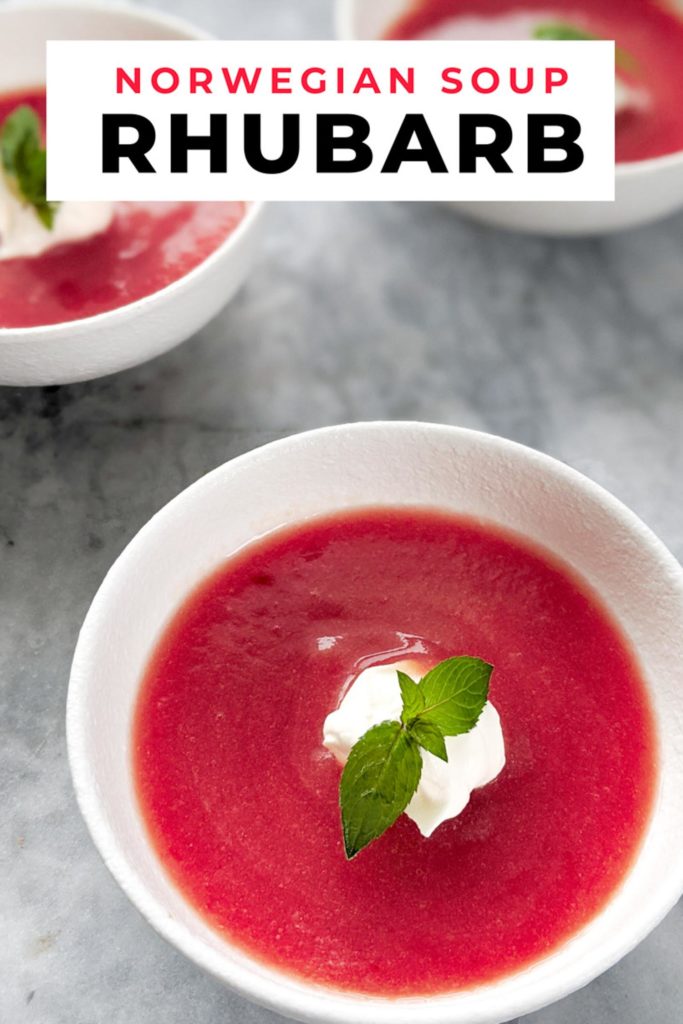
[
  {"x": 98, "y": 345},
  {"x": 359, "y": 466},
  {"x": 646, "y": 191}
]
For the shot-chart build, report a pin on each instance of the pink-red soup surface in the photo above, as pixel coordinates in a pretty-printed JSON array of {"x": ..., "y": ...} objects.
[
  {"x": 649, "y": 32},
  {"x": 240, "y": 798},
  {"x": 147, "y": 247}
]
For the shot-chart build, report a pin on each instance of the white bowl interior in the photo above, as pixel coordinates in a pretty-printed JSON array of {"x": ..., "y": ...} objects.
[
  {"x": 369, "y": 21},
  {"x": 346, "y": 467},
  {"x": 129, "y": 334},
  {"x": 358, "y": 19},
  {"x": 645, "y": 191},
  {"x": 27, "y": 27}
]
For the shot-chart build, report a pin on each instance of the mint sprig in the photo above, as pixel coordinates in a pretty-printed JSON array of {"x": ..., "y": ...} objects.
[
  {"x": 429, "y": 738},
  {"x": 563, "y": 31},
  {"x": 24, "y": 160},
  {"x": 384, "y": 767},
  {"x": 454, "y": 694},
  {"x": 412, "y": 697},
  {"x": 379, "y": 779}
]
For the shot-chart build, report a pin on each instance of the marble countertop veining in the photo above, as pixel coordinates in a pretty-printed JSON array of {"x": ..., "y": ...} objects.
[{"x": 353, "y": 312}]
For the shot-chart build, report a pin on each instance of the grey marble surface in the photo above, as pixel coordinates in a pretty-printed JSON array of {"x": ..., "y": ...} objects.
[{"x": 387, "y": 311}]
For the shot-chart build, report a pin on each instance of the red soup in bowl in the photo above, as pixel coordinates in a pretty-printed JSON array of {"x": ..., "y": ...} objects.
[
  {"x": 649, "y": 38},
  {"x": 240, "y": 797},
  {"x": 146, "y": 247}
]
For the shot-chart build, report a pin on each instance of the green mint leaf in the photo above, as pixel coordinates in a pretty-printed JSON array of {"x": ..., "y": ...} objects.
[
  {"x": 429, "y": 737},
  {"x": 384, "y": 767},
  {"x": 411, "y": 694},
  {"x": 563, "y": 31},
  {"x": 377, "y": 784},
  {"x": 24, "y": 161},
  {"x": 455, "y": 693}
]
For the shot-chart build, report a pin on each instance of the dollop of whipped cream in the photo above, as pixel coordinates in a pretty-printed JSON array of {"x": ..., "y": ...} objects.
[
  {"x": 523, "y": 25},
  {"x": 22, "y": 234},
  {"x": 474, "y": 759},
  {"x": 629, "y": 97}
]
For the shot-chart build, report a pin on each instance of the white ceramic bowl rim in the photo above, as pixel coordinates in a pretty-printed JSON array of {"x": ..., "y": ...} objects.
[
  {"x": 252, "y": 212},
  {"x": 308, "y": 1001},
  {"x": 344, "y": 30}
]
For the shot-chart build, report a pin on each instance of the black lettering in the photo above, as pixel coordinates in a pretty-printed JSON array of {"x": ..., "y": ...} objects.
[
  {"x": 113, "y": 150},
  {"x": 539, "y": 143},
  {"x": 355, "y": 142},
  {"x": 253, "y": 148},
  {"x": 471, "y": 150},
  {"x": 216, "y": 142},
  {"x": 427, "y": 151}
]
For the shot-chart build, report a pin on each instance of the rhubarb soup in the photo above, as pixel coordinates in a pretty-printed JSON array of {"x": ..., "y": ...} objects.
[
  {"x": 254, "y": 688},
  {"x": 61, "y": 262},
  {"x": 649, "y": 37}
]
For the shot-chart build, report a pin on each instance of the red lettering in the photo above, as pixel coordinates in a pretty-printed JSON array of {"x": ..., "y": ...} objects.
[
  {"x": 172, "y": 74},
  {"x": 477, "y": 76},
  {"x": 281, "y": 80},
  {"x": 306, "y": 80},
  {"x": 554, "y": 78},
  {"x": 241, "y": 80},
  {"x": 516, "y": 87},
  {"x": 367, "y": 80},
  {"x": 200, "y": 78},
  {"x": 406, "y": 82},
  {"x": 123, "y": 78},
  {"x": 452, "y": 82}
]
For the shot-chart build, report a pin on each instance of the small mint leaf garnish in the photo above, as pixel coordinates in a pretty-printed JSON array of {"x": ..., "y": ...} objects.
[
  {"x": 455, "y": 693},
  {"x": 24, "y": 161},
  {"x": 378, "y": 782},
  {"x": 411, "y": 694},
  {"x": 429, "y": 737},
  {"x": 563, "y": 31},
  {"x": 384, "y": 767}
]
